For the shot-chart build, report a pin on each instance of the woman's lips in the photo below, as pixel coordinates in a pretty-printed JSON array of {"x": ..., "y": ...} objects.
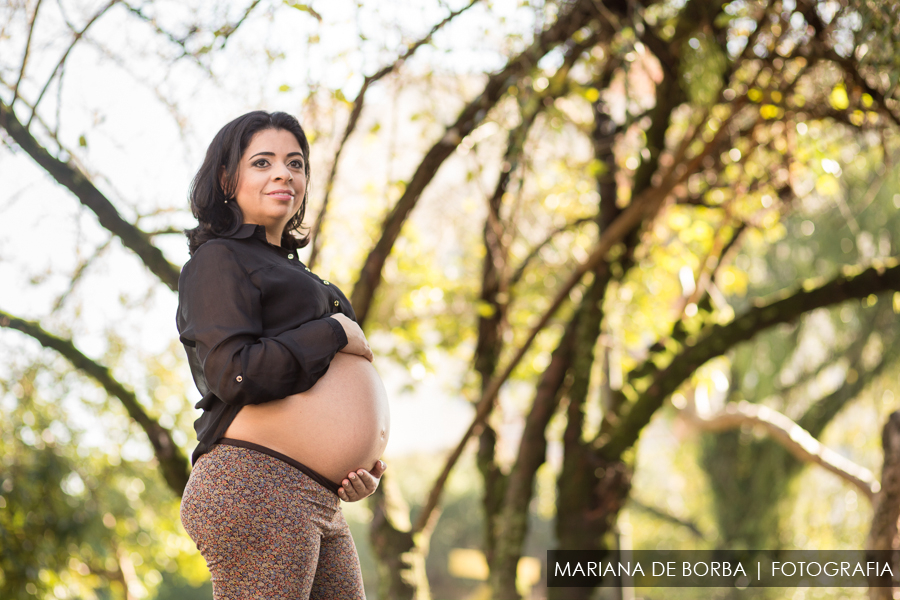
[{"x": 281, "y": 195}]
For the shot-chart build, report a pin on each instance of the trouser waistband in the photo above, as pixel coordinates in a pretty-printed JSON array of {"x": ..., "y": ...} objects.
[{"x": 320, "y": 479}]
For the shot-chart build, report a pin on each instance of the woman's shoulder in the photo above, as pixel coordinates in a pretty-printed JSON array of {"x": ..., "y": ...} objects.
[
  {"x": 214, "y": 250},
  {"x": 216, "y": 255}
]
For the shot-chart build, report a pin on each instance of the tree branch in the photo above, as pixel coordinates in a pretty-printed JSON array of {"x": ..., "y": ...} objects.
[
  {"x": 665, "y": 516},
  {"x": 354, "y": 118},
  {"x": 226, "y": 31},
  {"x": 70, "y": 176},
  {"x": 791, "y": 436},
  {"x": 80, "y": 270},
  {"x": 520, "y": 270},
  {"x": 54, "y": 135},
  {"x": 715, "y": 340},
  {"x": 173, "y": 462},
  {"x": 59, "y": 65},
  {"x": 850, "y": 68},
  {"x": 811, "y": 421},
  {"x": 817, "y": 416},
  {"x": 25, "y": 54},
  {"x": 578, "y": 16},
  {"x": 733, "y": 66},
  {"x": 165, "y": 231}
]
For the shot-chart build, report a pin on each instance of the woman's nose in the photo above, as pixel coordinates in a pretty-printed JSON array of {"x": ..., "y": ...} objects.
[{"x": 282, "y": 173}]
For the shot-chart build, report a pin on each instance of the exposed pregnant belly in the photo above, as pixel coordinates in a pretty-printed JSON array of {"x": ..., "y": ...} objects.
[{"x": 339, "y": 425}]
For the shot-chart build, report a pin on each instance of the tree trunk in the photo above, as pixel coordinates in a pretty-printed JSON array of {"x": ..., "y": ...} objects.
[
  {"x": 596, "y": 490},
  {"x": 592, "y": 491},
  {"x": 512, "y": 522},
  {"x": 884, "y": 533},
  {"x": 400, "y": 561}
]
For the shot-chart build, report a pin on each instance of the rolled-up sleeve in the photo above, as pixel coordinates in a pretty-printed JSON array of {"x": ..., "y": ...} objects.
[{"x": 221, "y": 322}]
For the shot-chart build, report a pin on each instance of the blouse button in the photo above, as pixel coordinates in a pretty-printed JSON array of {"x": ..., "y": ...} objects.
[
  {"x": 307, "y": 268},
  {"x": 326, "y": 283},
  {"x": 336, "y": 303},
  {"x": 239, "y": 379},
  {"x": 290, "y": 256}
]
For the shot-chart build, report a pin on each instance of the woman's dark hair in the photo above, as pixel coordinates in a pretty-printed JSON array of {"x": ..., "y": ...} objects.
[{"x": 207, "y": 196}]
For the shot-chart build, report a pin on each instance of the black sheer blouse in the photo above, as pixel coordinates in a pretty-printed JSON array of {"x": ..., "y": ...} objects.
[{"x": 255, "y": 324}]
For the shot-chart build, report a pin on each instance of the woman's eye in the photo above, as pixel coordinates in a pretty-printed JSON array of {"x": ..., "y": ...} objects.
[
  {"x": 296, "y": 164},
  {"x": 261, "y": 163}
]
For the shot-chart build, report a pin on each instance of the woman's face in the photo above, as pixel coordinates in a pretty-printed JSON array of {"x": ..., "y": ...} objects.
[{"x": 271, "y": 181}]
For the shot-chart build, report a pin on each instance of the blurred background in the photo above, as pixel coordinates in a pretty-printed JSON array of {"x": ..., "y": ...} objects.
[{"x": 629, "y": 270}]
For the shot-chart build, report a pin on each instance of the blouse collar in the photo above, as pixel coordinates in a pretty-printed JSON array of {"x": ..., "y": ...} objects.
[{"x": 249, "y": 230}]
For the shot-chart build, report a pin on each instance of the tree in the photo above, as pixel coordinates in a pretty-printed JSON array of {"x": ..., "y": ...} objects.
[{"x": 626, "y": 155}]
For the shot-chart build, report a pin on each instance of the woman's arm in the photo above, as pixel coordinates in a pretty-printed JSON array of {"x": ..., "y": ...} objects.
[{"x": 220, "y": 318}]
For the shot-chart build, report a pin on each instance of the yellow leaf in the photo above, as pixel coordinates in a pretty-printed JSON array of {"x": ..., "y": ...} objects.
[
  {"x": 839, "y": 99},
  {"x": 597, "y": 167},
  {"x": 467, "y": 564},
  {"x": 827, "y": 185},
  {"x": 485, "y": 309},
  {"x": 678, "y": 220},
  {"x": 768, "y": 111}
]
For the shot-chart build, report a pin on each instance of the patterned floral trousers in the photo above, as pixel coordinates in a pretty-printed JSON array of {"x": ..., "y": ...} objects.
[{"x": 268, "y": 531}]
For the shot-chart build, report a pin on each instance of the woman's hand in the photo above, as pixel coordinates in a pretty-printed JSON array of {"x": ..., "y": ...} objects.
[
  {"x": 361, "y": 483},
  {"x": 356, "y": 339}
]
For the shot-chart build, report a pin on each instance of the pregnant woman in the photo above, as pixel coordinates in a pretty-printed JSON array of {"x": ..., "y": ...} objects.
[{"x": 295, "y": 417}]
